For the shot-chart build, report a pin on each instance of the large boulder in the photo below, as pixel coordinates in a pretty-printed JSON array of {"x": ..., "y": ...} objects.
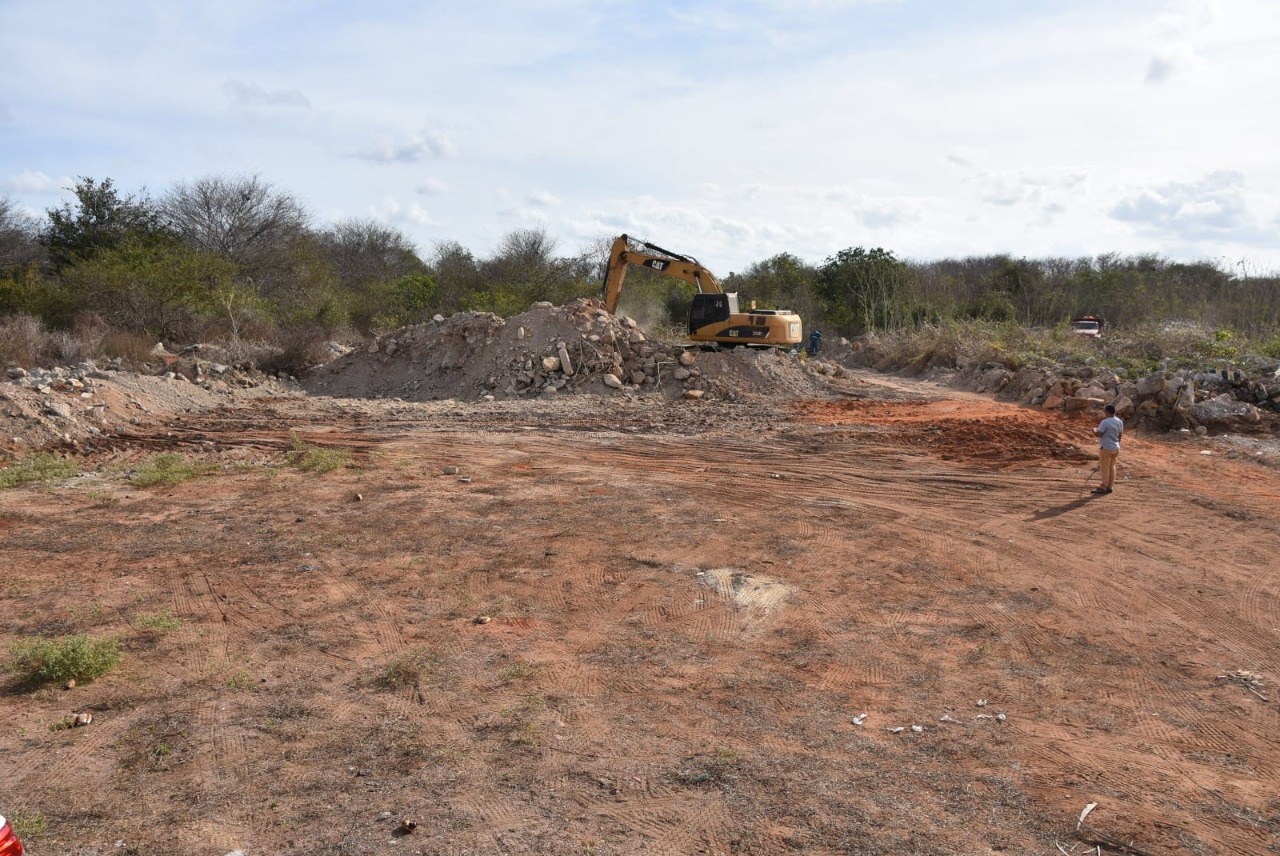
[{"x": 1224, "y": 413}]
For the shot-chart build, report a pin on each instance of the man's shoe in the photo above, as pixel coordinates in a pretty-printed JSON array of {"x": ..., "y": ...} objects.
[{"x": 1101, "y": 490}]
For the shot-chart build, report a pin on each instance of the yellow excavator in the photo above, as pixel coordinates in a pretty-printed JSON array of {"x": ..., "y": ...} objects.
[{"x": 714, "y": 315}]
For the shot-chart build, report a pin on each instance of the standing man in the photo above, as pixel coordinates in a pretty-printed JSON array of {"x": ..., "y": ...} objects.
[
  {"x": 815, "y": 342},
  {"x": 1109, "y": 431}
]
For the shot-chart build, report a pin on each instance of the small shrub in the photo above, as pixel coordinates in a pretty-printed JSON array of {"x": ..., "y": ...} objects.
[
  {"x": 40, "y": 467},
  {"x": 102, "y": 498},
  {"x": 131, "y": 349},
  {"x": 169, "y": 468},
  {"x": 240, "y": 682},
  {"x": 28, "y": 824},
  {"x": 407, "y": 671},
  {"x": 301, "y": 348},
  {"x": 514, "y": 672},
  {"x": 159, "y": 622},
  {"x": 311, "y": 458},
  {"x": 81, "y": 657},
  {"x": 23, "y": 341}
]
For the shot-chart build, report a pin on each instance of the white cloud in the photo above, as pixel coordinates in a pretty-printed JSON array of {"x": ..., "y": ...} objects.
[
  {"x": 431, "y": 187},
  {"x": 394, "y": 211},
  {"x": 31, "y": 181},
  {"x": 541, "y": 199},
  {"x": 1159, "y": 71},
  {"x": 1026, "y": 187},
  {"x": 431, "y": 145},
  {"x": 252, "y": 95},
  {"x": 1212, "y": 204}
]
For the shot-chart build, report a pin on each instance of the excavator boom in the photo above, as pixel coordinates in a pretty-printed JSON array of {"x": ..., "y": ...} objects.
[{"x": 621, "y": 257}]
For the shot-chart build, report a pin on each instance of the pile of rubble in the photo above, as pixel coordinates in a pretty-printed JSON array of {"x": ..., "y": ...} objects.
[
  {"x": 1207, "y": 402},
  {"x": 69, "y": 404},
  {"x": 551, "y": 350}
]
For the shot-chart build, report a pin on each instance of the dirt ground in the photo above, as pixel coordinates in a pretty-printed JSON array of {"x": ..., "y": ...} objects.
[{"x": 887, "y": 620}]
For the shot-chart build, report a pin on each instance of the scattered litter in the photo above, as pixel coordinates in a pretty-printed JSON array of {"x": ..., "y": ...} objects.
[
  {"x": 896, "y": 730},
  {"x": 1100, "y": 839},
  {"x": 483, "y": 619},
  {"x": 984, "y": 716},
  {"x": 982, "y": 702},
  {"x": 1001, "y": 717},
  {"x": 917, "y": 728},
  {"x": 83, "y": 718},
  {"x": 1206, "y": 452},
  {"x": 1251, "y": 681},
  {"x": 858, "y": 720},
  {"x": 465, "y": 479},
  {"x": 450, "y": 471},
  {"x": 357, "y": 498},
  {"x": 406, "y": 826},
  {"x": 946, "y": 717},
  {"x": 386, "y": 815}
]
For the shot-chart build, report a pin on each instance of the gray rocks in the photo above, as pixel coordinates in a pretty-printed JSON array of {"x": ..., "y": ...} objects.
[{"x": 1225, "y": 413}]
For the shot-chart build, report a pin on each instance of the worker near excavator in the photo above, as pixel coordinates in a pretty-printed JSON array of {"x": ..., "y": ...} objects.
[
  {"x": 815, "y": 342},
  {"x": 1109, "y": 431}
]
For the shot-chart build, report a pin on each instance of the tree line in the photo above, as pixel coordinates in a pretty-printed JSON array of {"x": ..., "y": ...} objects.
[{"x": 235, "y": 256}]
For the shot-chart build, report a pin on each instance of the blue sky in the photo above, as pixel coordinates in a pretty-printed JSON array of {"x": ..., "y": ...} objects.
[{"x": 729, "y": 131}]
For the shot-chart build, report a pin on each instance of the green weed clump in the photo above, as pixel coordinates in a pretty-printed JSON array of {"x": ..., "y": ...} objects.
[
  {"x": 81, "y": 657},
  {"x": 409, "y": 670},
  {"x": 41, "y": 468},
  {"x": 28, "y": 824},
  {"x": 169, "y": 469},
  {"x": 159, "y": 622},
  {"x": 311, "y": 458}
]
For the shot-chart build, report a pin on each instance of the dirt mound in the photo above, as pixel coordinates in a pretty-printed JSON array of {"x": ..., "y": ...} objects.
[
  {"x": 972, "y": 432},
  {"x": 549, "y": 350},
  {"x": 67, "y": 406}
]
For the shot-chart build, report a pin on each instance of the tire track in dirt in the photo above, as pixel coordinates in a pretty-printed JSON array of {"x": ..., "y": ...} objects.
[
  {"x": 81, "y": 754},
  {"x": 1240, "y": 637},
  {"x": 670, "y": 823},
  {"x": 1259, "y": 604},
  {"x": 205, "y": 644},
  {"x": 229, "y": 752},
  {"x": 347, "y": 598}
]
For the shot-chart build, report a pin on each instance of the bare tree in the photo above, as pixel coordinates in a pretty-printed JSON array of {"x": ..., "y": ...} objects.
[
  {"x": 19, "y": 237},
  {"x": 242, "y": 218},
  {"x": 457, "y": 274},
  {"x": 365, "y": 252},
  {"x": 526, "y": 263}
]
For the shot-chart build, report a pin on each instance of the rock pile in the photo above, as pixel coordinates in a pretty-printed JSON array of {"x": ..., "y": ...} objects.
[
  {"x": 1204, "y": 401},
  {"x": 70, "y": 404},
  {"x": 545, "y": 351}
]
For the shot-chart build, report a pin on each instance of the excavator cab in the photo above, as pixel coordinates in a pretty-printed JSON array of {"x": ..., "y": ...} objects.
[{"x": 711, "y": 309}]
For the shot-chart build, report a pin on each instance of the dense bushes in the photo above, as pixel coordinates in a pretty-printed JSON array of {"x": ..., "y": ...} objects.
[{"x": 238, "y": 260}]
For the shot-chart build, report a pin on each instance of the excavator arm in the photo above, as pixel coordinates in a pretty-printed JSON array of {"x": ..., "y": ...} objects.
[
  {"x": 713, "y": 314},
  {"x": 621, "y": 257}
]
